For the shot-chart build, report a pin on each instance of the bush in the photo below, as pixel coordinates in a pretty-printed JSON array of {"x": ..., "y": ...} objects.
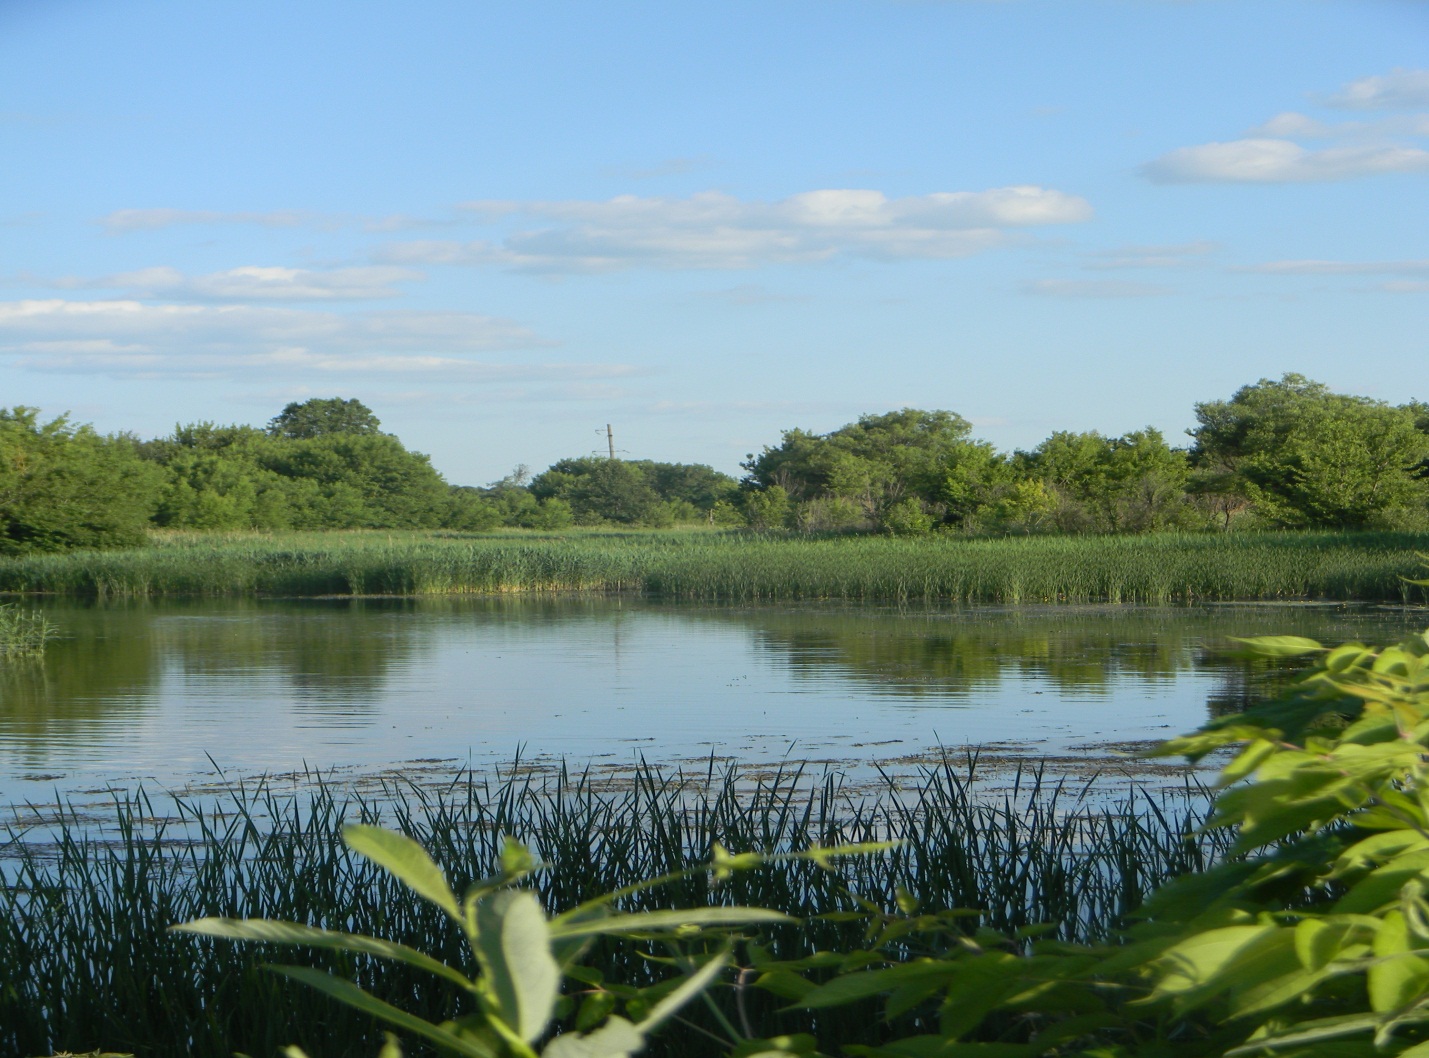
[{"x": 65, "y": 487}]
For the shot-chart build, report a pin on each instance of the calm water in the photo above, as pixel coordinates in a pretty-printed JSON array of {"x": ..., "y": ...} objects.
[{"x": 151, "y": 690}]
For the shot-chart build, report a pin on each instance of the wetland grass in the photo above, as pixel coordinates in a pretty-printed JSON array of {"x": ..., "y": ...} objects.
[
  {"x": 23, "y": 633},
  {"x": 739, "y": 566},
  {"x": 86, "y": 899}
]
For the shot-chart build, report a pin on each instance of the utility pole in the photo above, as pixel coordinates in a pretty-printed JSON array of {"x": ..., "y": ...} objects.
[{"x": 610, "y": 441}]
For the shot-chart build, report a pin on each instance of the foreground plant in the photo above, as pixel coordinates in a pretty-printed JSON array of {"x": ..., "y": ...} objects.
[
  {"x": 1311, "y": 940},
  {"x": 522, "y": 956}
]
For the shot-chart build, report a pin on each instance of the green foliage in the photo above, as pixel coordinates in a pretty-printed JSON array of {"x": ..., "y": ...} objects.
[
  {"x": 1311, "y": 939},
  {"x": 724, "y": 566},
  {"x": 238, "y": 477},
  {"x": 319, "y": 417},
  {"x": 87, "y": 899},
  {"x": 522, "y": 955},
  {"x": 850, "y": 477},
  {"x": 600, "y": 491},
  {"x": 1133, "y": 483},
  {"x": 65, "y": 487},
  {"x": 1299, "y": 455}
]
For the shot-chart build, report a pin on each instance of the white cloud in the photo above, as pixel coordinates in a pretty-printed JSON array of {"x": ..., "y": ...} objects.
[
  {"x": 1398, "y": 89},
  {"x": 252, "y": 283},
  {"x": 1324, "y": 268},
  {"x": 128, "y": 220},
  {"x": 1178, "y": 255},
  {"x": 1413, "y": 274},
  {"x": 716, "y": 230},
  {"x": 1293, "y": 125},
  {"x": 1269, "y": 161},
  {"x": 1093, "y": 288},
  {"x": 125, "y": 337}
]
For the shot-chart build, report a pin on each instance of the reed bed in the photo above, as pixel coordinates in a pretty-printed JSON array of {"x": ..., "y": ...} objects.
[
  {"x": 746, "y": 566},
  {"x": 86, "y": 901}
]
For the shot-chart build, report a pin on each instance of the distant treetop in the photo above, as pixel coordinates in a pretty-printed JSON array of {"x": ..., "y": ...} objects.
[{"x": 320, "y": 416}]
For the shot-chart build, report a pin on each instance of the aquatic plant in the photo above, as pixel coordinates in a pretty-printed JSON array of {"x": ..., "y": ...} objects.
[
  {"x": 87, "y": 895},
  {"x": 23, "y": 633},
  {"x": 746, "y": 566}
]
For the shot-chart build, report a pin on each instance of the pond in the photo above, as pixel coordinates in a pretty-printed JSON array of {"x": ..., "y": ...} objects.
[{"x": 164, "y": 692}]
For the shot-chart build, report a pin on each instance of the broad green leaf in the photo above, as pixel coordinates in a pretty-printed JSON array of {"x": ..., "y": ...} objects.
[
  {"x": 617, "y": 1038},
  {"x": 347, "y": 992},
  {"x": 594, "y": 1009},
  {"x": 786, "y": 984},
  {"x": 402, "y": 857},
  {"x": 514, "y": 949},
  {"x": 1197, "y": 961},
  {"x": 1317, "y": 942},
  {"x": 1380, "y": 848},
  {"x": 1382, "y": 885},
  {"x": 268, "y": 931},
  {"x": 1398, "y": 976},
  {"x": 1310, "y": 1032},
  {"x": 865, "y": 983},
  {"x": 660, "y": 921}
]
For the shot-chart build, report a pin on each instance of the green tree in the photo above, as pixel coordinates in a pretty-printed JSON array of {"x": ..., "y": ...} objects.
[
  {"x": 64, "y": 486},
  {"x": 1300, "y": 455},
  {"x": 881, "y": 461},
  {"x": 1132, "y": 483},
  {"x": 396, "y": 488},
  {"x": 319, "y": 417},
  {"x": 634, "y": 492}
]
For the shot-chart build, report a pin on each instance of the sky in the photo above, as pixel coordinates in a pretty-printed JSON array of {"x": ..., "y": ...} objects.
[{"x": 504, "y": 225}]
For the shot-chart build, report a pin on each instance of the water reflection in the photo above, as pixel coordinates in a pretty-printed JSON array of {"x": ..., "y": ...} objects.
[
  {"x": 151, "y": 688},
  {"x": 1082, "y": 650}
]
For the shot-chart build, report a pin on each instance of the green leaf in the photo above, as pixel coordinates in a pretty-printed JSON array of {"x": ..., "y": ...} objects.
[
  {"x": 595, "y": 1008},
  {"x": 516, "y": 859},
  {"x": 785, "y": 984},
  {"x": 1398, "y": 976},
  {"x": 617, "y": 1038},
  {"x": 514, "y": 948},
  {"x": 865, "y": 983},
  {"x": 660, "y": 921},
  {"x": 272, "y": 932},
  {"x": 1309, "y": 1032},
  {"x": 347, "y": 992},
  {"x": 403, "y": 858}
]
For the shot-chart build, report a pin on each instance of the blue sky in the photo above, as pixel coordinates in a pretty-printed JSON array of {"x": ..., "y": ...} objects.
[{"x": 505, "y": 225}]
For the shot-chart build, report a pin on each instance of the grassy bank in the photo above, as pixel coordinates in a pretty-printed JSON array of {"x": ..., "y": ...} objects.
[
  {"x": 85, "y": 904},
  {"x": 742, "y": 566}
]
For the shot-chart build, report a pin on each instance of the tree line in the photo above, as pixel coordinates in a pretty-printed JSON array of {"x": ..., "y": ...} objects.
[{"x": 1277, "y": 454}]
